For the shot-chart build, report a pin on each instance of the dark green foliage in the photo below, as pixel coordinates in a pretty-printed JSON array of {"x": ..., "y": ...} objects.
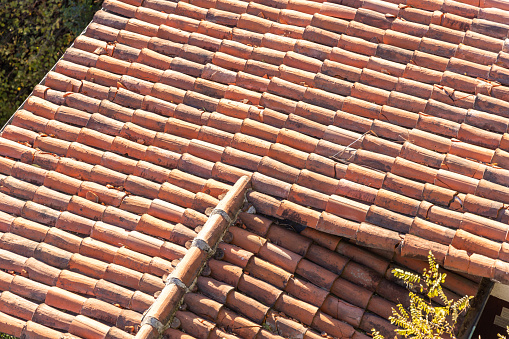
[{"x": 33, "y": 36}]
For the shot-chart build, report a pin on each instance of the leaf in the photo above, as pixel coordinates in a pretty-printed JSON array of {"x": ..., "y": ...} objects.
[
  {"x": 422, "y": 319},
  {"x": 92, "y": 196}
]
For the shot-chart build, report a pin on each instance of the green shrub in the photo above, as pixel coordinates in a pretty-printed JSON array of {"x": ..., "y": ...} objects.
[
  {"x": 422, "y": 319},
  {"x": 33, "y": 36}
]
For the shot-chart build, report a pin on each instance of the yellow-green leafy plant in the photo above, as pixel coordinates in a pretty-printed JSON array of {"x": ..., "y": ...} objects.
[
  {"x": 422, "y": 319},
  {"x": 500, "y": 336}
]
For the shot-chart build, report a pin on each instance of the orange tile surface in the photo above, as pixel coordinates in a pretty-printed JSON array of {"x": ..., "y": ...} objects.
[
  {"x": 370, "y": 126},
  {"x": 307, "y": 285}
]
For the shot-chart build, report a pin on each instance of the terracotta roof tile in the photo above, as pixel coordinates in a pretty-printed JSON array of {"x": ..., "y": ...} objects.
[{"x": 375, "y": 122}]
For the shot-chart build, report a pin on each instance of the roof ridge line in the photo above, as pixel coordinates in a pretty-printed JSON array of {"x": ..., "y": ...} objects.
[{"x": 160, "y": 314}]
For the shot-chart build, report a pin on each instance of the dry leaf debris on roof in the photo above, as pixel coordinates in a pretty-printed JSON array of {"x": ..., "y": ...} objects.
[{"x": 384, "y": 123}]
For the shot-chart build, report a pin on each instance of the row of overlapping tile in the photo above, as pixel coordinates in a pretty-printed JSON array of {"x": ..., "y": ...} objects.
[
  {"x": 271, "y": 281},
  {"x": 82, "y": 257},
  {"x": 293, "y": 132},
  {"x": 160, "y": 314},
  {"x": 91, "y": 269},
  {"x": 310, "y": 34},
  {"x": 50, "y": 294}
]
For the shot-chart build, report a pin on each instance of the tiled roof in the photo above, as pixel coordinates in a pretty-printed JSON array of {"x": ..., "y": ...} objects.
[
  {"x": 383, "y": 123},
  {"x": 297, "y": 286}
]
